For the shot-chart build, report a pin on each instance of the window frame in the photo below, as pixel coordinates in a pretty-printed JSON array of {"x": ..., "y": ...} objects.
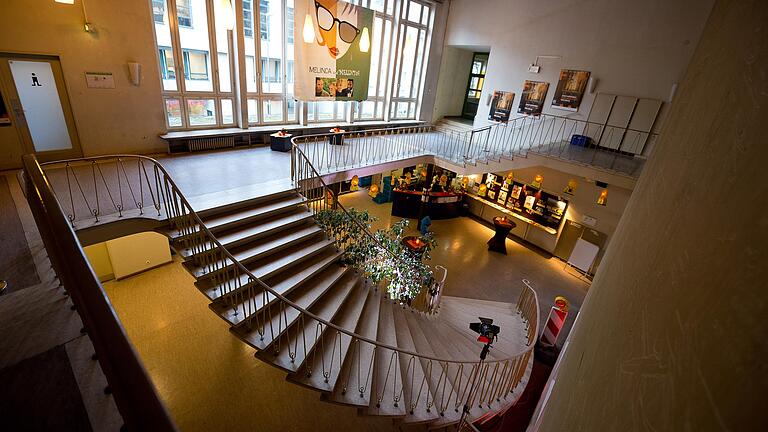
[{"x": 392, "y": 14}]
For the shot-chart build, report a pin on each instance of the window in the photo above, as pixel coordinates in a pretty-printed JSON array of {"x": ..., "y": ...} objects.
[
  {"x": 248, "y": 18},
  {"x": 270, "y": 70},
  {"x": 158, "y": 11},
  {"x": 413, "y": 41},
  {"x": 167, "y": 72},
  {"x": 195, "y": 65},
  {"x": 289, "y": 24},
  {"x": 184, "y": 13},
  {"x": 264, "y": 19}
]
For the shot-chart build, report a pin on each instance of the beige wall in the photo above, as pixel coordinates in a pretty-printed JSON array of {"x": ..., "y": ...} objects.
[
  {"x": 634, "y": 48},
  {"x": 128, "y": 255},
  {"x": 124, "y": 119},
  {"x": 452, "y": 85},
  {"x": 671, "y": 336},
  {"x": 98, "y": 256}
]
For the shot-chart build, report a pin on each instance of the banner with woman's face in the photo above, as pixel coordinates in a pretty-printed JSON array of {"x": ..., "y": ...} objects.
[{"x": 333, "y": 50}]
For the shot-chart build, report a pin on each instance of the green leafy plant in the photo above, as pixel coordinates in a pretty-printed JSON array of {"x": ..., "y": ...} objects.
[{"x": 380, "y": 256}]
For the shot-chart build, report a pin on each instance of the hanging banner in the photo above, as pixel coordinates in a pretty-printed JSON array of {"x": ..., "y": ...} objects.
[
  {"x": 532, "y": 99},
  {"x": 570, "y": 89},
  {"x": 333, "y": 50},
  {"x": 501, "y": 106}
]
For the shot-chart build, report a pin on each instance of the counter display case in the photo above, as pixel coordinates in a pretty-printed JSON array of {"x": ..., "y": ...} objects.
[{"x": 526, "y": 202}]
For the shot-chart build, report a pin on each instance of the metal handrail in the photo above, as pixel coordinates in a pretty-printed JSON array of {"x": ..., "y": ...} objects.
[{"x": 135, "y": 396}]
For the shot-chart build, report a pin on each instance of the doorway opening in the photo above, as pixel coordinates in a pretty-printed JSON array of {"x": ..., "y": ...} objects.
[
  {"x": 35, "y": 115},
  {"x": 475, "y": 85}
]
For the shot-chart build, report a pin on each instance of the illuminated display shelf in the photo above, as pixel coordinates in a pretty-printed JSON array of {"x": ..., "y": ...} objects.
[{"x": 513, "y": 214}]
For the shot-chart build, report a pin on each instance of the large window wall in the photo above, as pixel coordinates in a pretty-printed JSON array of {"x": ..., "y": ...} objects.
[{"x": 199, "y": 89}]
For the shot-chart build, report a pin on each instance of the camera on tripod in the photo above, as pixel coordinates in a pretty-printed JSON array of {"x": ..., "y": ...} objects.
[{"x": 488, "y": 332}]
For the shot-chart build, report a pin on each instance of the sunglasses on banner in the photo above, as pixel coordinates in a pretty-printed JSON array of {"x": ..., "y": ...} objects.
[{"x": 326, "y": 20}]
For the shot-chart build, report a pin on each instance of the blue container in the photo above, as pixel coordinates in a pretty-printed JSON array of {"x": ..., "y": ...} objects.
[{"x": 581, "y": 140}]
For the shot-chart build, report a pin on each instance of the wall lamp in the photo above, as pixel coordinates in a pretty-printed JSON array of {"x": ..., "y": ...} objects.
[{"x": 87, "y": 26}]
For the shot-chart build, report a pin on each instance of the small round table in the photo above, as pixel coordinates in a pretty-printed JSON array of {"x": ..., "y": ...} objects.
[
  {"x": 414, "y": 244},
  {"x": 498, "y": 242}
]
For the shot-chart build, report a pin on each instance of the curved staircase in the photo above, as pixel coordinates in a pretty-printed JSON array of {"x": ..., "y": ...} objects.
[
  {"x": 279, "y": 280},
  {"x": 333, "y": 330}
]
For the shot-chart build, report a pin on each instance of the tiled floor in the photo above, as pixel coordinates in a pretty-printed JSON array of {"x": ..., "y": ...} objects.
[{"x": 208, "y": 378}]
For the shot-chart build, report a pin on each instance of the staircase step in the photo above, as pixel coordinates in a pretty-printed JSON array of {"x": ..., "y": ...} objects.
[
  {"x": 324, "y": 364},
  {"x": 354, "y": 385},
  {"x": 386, "y": 392},
  {"x": 237, "y": 307},
  {"x": 262, "y": 265},
  {"x": 220, "y": 202},
  {"x": 292, "y": 351},
  {"x": 417, "y": 392},
  {"x": 239, "y": 216},
  {"x": 276, "y": 318},
  {"x": 444, "y": 402},
  {"x": 243, "y": 236},
  {"x": 454, "y": 347}
]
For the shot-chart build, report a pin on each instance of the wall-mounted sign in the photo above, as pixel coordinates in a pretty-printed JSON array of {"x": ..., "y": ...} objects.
[
  {"x": 570, "y": 89},
  {"x": 501, "y": 106},
  {"x": 104, "y": 80},
  {"x": 333, "y": 50},
  {"x": 589, "y": 220},
  {"x": 532, "y": 99}
]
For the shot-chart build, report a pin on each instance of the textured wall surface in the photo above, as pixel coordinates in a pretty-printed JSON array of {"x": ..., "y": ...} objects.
[{"x": 672, "y": 335}]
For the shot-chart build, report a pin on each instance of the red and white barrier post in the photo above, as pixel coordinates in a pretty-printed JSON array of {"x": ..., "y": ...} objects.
[{"x": 555, "y": 322}]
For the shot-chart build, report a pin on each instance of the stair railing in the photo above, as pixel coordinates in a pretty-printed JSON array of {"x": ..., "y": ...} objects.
[
  {"x": 441, "y": 384},
  {"x": 353, "y": 234}
]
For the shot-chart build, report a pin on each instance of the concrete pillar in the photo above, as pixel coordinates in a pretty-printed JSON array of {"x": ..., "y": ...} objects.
[{"x": 672, "y": 335}]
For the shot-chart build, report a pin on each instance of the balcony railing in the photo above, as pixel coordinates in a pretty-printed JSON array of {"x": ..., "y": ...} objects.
[{"x": 135, "y": 396}]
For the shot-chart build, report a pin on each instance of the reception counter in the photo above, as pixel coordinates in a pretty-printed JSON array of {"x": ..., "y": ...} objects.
[{"x": 441, "y": 205}]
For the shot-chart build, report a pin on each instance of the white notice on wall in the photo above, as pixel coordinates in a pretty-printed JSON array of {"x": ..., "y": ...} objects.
[
  {"x": 589, "y": 220},
  {"x": 103, "y": 80}
]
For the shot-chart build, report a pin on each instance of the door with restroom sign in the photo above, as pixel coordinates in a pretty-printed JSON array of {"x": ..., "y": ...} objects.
[{"x": 35, "y": 115}]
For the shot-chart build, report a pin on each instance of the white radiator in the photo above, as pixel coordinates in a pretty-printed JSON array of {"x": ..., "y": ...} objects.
[{"x": 211, "y": 143}]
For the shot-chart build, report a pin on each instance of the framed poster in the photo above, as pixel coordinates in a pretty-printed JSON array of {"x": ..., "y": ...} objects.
[
  {"x": 333, "y": 50},
  {"x": 570, "y": 89},
  {"x": 532, "y": 98},
  {"x": 502, "y": 197},
  {"x": 516, "y": 189},
  {"x": 530, "y": 200},
  {"x": 501, "y": 106}
]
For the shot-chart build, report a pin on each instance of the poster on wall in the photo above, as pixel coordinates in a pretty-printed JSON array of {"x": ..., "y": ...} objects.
[
  {"x": 501, "y": 106},
  {"x": 532, "y": 98},
  {"x": 333, "y": 53},
  {"x": 570, "y": 89}
]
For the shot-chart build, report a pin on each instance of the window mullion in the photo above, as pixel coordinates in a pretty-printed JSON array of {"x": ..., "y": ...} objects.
[
  {"x": 178, "y": 60},
  {"x": 396, "y": 61},
  {"x": 214, "y": 55},
  {"x": 241, "y": 87}
]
